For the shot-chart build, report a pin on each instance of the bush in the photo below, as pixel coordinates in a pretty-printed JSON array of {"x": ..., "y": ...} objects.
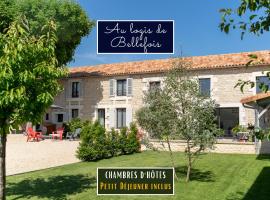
[
  {"x": 94, "y": 143},
  {"x": 133, "y": 143},
  {"x": 123, "y": 140},
  {"x": 74, "y": 124},
  {"x": 98, "y": 144},
  {"x": 114, "y": 143}
]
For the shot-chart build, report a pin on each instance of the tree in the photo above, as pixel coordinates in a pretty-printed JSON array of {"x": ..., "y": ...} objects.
[
  {"x": 28, "y": 80},
  {"x": 187, "y": 114},
  {"x": 251, "y": 16},
  {"x": 71, "y": 21},
  {"x": 158, "y": 116},
  {"x": 254, "y": 17}
]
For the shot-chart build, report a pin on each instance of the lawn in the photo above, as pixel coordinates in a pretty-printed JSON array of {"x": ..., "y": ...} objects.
[{"x": 215, "y": 176}]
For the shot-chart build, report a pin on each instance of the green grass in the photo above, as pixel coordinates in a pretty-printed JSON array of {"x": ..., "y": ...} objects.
[{"x": 215, "y": 176}]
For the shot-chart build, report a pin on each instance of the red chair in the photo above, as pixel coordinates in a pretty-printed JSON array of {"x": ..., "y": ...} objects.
[
  {"x": 31, "y": 134},
  {"x": 58, "y": 133}
]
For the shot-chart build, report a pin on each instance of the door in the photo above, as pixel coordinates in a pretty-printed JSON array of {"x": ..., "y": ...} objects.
[
  {"x": 101, "y": 117},
  {"x": 227, "y": 119}
]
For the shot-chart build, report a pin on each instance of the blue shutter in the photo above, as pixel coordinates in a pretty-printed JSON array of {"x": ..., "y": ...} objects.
[
  {"x": 112, "y": 117},
  {"x": 128, "y": 116},
  {"x": 129, "y": 87},
  {"x": 112, "y": 87}
]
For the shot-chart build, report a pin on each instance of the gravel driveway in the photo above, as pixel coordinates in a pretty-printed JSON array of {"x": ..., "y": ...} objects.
[{"x": 25, "y": 156}]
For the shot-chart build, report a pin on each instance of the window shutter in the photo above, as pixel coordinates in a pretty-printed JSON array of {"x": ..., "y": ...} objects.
[
  {"x": 66, "y": 89},
  {"x": 65, "y": 117},
  {"x": 69, "y": 89},
  {"x": 81, "y": 89},
  {"x": 128, "y": 116},
  {"x": 112, "y": 87},
  {"x": 129, "y": 87},
  {"x": 112, "y": 118},
  {"x": 54, "y": 118}
]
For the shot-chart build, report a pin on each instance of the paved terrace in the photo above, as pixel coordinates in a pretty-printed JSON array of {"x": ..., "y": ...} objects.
[{"x": 25, "y": 156}]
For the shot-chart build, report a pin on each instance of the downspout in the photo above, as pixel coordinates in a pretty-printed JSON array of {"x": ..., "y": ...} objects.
[{"x": 257, "y": 124}]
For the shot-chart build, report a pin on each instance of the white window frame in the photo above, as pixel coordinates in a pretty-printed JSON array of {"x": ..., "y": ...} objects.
[
  {"x": 116, "y": 94},
  {"x": 70, "y": 98},
  {"x": 108, "y": 111},
  {"x": 79, "y": 107},
  {"x": 49, "y": 116},
  {"x": 121, "y": 98},
  {"x": 253, "y": 78},
  {"x": 116, "y": 122},
  {"x": 78, "y": 113},
  {"x": 242, "y": 112},
  {"x": 211, "y": 77},
  {"x": 147, "y": 81},
  {"x": 54, "y": 120}
]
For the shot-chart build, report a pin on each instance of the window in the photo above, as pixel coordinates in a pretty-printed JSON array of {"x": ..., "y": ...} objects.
[
  {"x": 259, "y": 80},
  {"x": 121, "y": 87},
  {"x": 75, "y": 89},
  {"x": 153, "y": 85},
  {"x": 74, "y": 113},
  {"x": 227, "y": 119},
  {"x": 101, "y": 117},
  {"x": 60, "y": 117},
  {"x": 204, "y": 84},
  {"x": 120, "y": 117},
  {"x": 47, "y": 116}
]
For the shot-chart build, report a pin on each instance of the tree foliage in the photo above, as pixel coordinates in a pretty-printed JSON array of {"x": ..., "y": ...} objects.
[
  {"x": 252, "y": 16},
  {"x": 180, "y": 110},
  {"x": 71, "y": 21},
  {"x": 28, "y": 79},
  {"x": 28, "y": 73}
]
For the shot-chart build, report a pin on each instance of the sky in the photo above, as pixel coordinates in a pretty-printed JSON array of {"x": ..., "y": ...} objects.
[{"x": 196, "y": 28}]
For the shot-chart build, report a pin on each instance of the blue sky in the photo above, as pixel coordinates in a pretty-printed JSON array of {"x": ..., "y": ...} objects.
[{"x": 196, "y": 28}]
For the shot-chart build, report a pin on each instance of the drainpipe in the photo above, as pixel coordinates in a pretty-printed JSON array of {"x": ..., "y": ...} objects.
[{"x": 257, "y": 124}]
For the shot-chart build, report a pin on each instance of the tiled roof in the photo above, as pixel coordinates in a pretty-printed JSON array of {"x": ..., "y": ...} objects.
[
  {"x": 154, "y": 66},
  {"x": 254, "y": 98}
]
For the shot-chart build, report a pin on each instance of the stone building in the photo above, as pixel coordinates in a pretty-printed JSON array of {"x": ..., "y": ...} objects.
[{"x": 111, "y": 93}]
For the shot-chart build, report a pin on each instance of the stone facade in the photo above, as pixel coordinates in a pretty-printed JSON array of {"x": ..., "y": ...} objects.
[
  {"x": 94, "y": 94},
  {"x": 222, "y": 146}
]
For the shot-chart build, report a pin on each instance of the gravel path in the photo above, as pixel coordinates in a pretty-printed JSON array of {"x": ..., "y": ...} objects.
[{"x": 25, "y": 156}]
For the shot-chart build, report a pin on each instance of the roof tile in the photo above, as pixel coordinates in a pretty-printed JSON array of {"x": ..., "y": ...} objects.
[{"x": 154, "y": 66}]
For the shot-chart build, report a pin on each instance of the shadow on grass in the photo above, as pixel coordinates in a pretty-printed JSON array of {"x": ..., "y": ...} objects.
[
  {"x": 263, "y": 157},
  {"x": 196, "y": 174},
  {"x": 56, "y": 187},
  {"x": 259, "y": 189}
]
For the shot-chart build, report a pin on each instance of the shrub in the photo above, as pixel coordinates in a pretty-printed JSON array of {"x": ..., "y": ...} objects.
[
  {"x": 97, "y": 144},
  {"x": 123, "y": 140},
  {"x": 114, "y": 146},
  {"x": 133, "y": 143},
  {"x": 94, "y": 143},
  {"x": 74, "y": 124}
]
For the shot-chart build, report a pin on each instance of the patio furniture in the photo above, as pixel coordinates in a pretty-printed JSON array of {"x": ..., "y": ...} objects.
[
  {"x": 243, "y": 136},
  {"x": 31, "y": 134},
  {"x": 58, "y": 133},
  {"x": 74, "y": 135}
]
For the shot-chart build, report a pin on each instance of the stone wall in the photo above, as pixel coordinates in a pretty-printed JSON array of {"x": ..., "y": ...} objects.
[
  {"x": 220, "y": 147},
  {"x": 95, "y": 92}
]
